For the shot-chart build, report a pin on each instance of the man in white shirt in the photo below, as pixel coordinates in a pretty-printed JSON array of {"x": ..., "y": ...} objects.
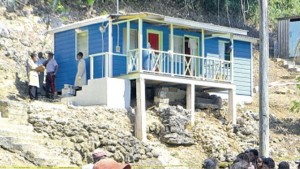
[
  {"x": 80, "y": 78},
  {"x": 51, "y": 68}
]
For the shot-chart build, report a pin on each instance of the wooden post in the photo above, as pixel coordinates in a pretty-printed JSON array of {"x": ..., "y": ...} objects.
[
  {"x": 202, "y": 51},
  {"x": 263, "y": 80},
  {"x": 91, "y": 67},
  {"x": 172, "y": 48},
  {"x": 190, "y": 101},
  {"x": 129, "y": 61},
  {"x": 110, "y": 50},
  {"x": 232, "y": 58},
  {"x": 140, "y": 45},
  {"x": 140, "y": 114},
  {"x": 232, "y": 105}
]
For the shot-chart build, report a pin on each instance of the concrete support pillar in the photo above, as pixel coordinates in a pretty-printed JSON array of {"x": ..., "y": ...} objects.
[
  {"x": 140, "y": 114},
  {"x": 190, "y": 101},
  {"x": 232, "y": 105}
]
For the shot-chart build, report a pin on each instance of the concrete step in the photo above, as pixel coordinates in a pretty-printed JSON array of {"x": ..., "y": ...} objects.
[
  {"x": 295, "y": 69},
  {"x": 36, "y": 153},
  {"x": 23, "y": 140},
  {"x": 289, "y": 66},
  {"x": 8, "y": 123},
  {"x": 20, "y": 134}
]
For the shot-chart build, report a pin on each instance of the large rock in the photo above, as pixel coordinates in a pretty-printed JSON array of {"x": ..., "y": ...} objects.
[{"x": 175, "y": 120}]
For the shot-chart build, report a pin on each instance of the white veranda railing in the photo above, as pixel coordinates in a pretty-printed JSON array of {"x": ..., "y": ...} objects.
[{"x": 176, "y": 64}]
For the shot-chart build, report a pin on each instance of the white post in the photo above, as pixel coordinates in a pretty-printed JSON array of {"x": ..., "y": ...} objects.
[
  {"x": 172, "y": 48},
  {"x": 129, "y": 64},
  {"x": 190, "y": 101},
  {"x": 232, "y": 105},
  {"x": 91, "y": 67},
  {"x": 264, "y": 135},
  {"x": 140, "y": 45},
  {"x": 202, "y": 50},
  {"x": 140, "y": 114},
  {"x": 110, "y": 49},
  {"x": 231, "y": 58}
]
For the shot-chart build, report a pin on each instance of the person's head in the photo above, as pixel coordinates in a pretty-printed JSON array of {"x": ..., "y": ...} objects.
[
  {"x": 50, "y": 55},
  {"x": 40, "y": 55},
  {"x": 242, "y": 157},
  {"x": 79, "y": 55},
  {"x": 283, "y": 165},
  {"x": 98, "y": 154},
  {"x": 269, "y": 162},
  {"x": 210, "y": 163},
  {"x": 259, "y": 162},
  {"x": 242, "y": 164},
  {"x": 34, "y": 57},
  {"x": 253, "y": 154}
]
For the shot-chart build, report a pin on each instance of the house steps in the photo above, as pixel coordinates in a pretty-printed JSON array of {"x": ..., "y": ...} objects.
[
  {"x": 17, "y": 135},
  {"x": 289, "y": 64}
]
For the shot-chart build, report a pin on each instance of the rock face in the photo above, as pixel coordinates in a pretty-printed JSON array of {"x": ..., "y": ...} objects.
[
  {"x": 93, "y": 131},
  {"x": 175, "y": 120}
]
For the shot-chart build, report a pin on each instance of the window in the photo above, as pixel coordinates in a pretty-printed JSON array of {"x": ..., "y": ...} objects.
[
  {"x": 224, "y": 49},
  {"x": 178, "y": 44},
  {"x": 82, "y": 43},
  {"x": 133, "y": 40}
]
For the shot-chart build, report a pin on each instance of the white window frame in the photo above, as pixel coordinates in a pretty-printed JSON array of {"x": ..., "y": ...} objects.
[
  {"x": 124, "y": 51},
  {"x": 198, "y": 43},
  {"x": 85, "y": 55}
]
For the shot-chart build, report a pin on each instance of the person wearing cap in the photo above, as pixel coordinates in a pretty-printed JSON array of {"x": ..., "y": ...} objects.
[
  {"x": 106, "y": 163},
  {"x": 80, "y": 78},
  {"x": 51, "y": 68},
  {"x": 33, "y": 77},
  {"x": 97, "y": 155}
]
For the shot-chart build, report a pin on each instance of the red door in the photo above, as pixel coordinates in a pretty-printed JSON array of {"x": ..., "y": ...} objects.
[{"x": 153, "y": 39}]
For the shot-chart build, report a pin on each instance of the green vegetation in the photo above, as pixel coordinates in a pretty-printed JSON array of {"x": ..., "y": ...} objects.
[
  {"x": 225, "y": 12},
  {"x": 296, "y": 103}
]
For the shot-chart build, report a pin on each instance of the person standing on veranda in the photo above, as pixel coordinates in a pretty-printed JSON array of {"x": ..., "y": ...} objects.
[{"x": 80, "y": 78}]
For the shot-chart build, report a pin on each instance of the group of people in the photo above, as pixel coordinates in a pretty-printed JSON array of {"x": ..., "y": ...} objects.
[
  {"x": 101, "y": 161},
  {"x": 249, "y": 159},
  {"x": 37, "y": 66}
]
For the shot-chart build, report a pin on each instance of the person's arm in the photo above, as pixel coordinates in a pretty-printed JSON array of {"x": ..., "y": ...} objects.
[{"x": 56, "y": 67}]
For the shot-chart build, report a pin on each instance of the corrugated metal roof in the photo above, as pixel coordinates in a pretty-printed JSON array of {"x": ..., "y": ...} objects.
[
  {"x": 288, "y": 17},
  {"x": 147, "y": 15}
]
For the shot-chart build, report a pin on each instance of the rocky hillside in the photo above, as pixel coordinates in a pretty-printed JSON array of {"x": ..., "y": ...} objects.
[{"x": 43, "y": 133}]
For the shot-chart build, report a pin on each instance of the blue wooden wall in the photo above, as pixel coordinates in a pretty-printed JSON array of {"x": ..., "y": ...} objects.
[
  {"x": 64, "y": 49},
  {"x": 242, "y": 63},
  {"x": 65, "y": 53}
]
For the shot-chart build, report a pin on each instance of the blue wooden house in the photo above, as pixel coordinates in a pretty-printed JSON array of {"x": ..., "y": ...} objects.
[{"x": 149, "y": 48}]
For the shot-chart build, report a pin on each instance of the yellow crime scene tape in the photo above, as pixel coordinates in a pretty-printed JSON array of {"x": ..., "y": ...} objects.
[{"x": 132, "y": 166}]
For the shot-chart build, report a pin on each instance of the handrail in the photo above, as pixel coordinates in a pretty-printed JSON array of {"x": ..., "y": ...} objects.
[
  {"x": 178, "y": 64},
  {"x": 105, "y": 66}
]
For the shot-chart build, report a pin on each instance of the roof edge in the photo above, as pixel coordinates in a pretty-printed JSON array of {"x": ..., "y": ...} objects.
[{"x": 79, "y": 24}]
